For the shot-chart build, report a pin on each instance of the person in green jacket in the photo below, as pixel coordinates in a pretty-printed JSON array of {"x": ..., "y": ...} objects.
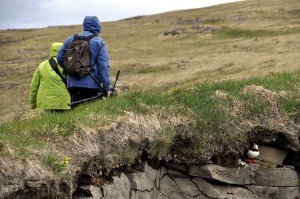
[{"x": 47, "y": 89}]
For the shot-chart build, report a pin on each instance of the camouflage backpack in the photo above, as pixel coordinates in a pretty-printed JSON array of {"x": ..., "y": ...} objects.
[{"x": 77, "y": 58}]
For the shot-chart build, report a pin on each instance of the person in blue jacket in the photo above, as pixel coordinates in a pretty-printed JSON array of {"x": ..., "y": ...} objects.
[{"x": 85, "y": 87}]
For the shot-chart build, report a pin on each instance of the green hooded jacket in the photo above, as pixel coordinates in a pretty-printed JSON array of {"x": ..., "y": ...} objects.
[{"x": 47, "y": 89}]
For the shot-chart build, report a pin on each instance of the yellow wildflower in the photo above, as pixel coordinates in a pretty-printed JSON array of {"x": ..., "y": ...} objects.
[{"x": 66, "y": 160}]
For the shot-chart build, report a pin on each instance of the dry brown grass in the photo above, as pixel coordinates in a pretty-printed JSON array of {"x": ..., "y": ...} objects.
[{"x": 230, "y": 41}]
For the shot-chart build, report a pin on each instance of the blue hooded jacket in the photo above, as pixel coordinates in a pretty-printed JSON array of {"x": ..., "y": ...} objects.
[{"x": 99, "y": 57}]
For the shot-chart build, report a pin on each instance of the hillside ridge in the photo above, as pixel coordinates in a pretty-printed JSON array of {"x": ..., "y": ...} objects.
[
  {"x": 197, "y": 86},
  {"x": 158, "y": 52}
]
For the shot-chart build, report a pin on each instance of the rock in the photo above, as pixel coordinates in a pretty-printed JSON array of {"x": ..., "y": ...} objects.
[
  {"x": 221, "y": 191},
  {"x": 274, "y": 192},
  {"x": 167, "y": 186},
  {"x": 157, "y": 178},
  {"x": 255, "y": 181},
  {"x": 90, "y": 191},
  {"x": 144, "y": 195},
  {"x": 161, "y": 196},
  {"x": 150, "y": 172},
  {"x": 284, "y": 138},
  {"x": 202, "y": 196},
  {"x": 273, "y": 155},
  {"x": 288, "y": 192},
  {"x": 140, "y": 181},
  {"x": 222, "y": 174},
  {"x": 289, "y": 166},
  {"x": 176, "y": 174},
  {"x": 278, "y": 177},
  {"x": 255, "y": 174},
  {"x": 153, "y": 175},
  {"x": 119, "y": 189},
  {"x": 139, "y": 195},
  {"x": 174, "y": 32},
  {"x": 107, "y": 190},
  {"x": 163, "y": 171},
  {"x": 159, "y": 175},
  {"x": 175, "y": 195},
  {"x": 179, "y": 167},
  {"x": 263, "y": 191},
  {"x": 186, "y": 186}
]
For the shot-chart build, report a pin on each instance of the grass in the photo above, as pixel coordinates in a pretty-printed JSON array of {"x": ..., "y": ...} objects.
[
  {"x": 214, "y": 21},
  {"x": 217, "y": 114},
  {"x": 54, "y": 163},
  {"x": 295, "y": 12},
  {"x": 237, "y": 33},
  {"x": 243, "y": 33},
  {"x": 231, "y": 77},
  {"x": 153, "y": 70}
]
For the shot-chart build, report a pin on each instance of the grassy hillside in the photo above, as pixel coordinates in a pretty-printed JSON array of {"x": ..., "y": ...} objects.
[
  {"x": 188, "y": 125},
  {"x": 195, "y": 85},
  {"x": 231, "y": 41}
]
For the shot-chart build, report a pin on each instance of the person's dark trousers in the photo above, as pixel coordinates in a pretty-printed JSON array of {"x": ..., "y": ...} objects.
[{"x": 82, "y": 93}]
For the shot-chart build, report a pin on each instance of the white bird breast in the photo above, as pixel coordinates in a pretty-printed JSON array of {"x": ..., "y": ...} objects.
[{"x": 252, "y": 154}]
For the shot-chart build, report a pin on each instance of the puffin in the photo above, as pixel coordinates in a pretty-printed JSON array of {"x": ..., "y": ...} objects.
[{"x": 252, "y": 152}]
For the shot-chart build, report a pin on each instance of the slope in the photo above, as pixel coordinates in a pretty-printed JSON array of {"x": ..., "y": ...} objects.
[{"x": 230, "y": 41}]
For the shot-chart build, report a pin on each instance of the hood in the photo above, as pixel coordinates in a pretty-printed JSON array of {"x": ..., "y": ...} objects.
[
  {"x": 54, "y": 48},
  {"x": 92, "y": 24}
]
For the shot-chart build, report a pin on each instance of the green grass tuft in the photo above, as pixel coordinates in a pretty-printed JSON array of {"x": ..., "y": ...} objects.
[
  {"x": 54, "y": 163},
  {"x": 217, "y": 112},
  {"x": 244, "y": 33},
  {"x": 156, "y": 69}
]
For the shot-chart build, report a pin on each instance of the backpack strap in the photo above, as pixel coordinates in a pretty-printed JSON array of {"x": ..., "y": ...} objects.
[
  {"x": 88, "y": 38},
  {"x": 75, "y": 37},
  {"x": 55, "y": 68}
]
